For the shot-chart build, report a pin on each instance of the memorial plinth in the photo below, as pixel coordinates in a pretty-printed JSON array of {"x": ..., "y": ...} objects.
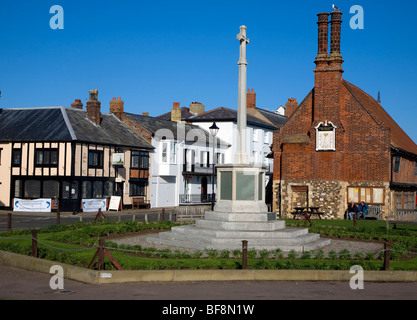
[{"x": 240, "y": 212}]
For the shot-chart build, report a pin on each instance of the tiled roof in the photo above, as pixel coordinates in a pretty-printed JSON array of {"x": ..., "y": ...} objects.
[
  {"x": 185, "y": 114},
  {"x": 161, "y": 127},
  {"x": 399, "y": 139},
  {"x": 226, "y": 114},
  {"x": 65, "y": 124},
  {"x": 277, "y": 119}
]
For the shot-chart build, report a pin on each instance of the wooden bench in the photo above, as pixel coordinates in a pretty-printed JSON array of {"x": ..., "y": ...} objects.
[
  {"x": 402, "y": 216},
  {"x": 140, "y": 201},
  {"x": 374, "y": 212}
]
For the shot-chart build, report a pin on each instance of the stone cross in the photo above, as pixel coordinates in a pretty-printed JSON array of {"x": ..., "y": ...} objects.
[{"x": 241, "y": 156}]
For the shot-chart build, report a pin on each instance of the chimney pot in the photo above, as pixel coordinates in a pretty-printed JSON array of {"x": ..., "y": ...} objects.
[
  {"x": 290, "y": 106},
  {"x": 176, "y": 112},
  {"x": 93, "y": 107},
  {"x": 196, "y": 107},
  {"x": 251, "y": 99},
  {"x": 117, "y": 107},
  {"x": 145, "y": 114},
  {"x": 77, "y": 104}
]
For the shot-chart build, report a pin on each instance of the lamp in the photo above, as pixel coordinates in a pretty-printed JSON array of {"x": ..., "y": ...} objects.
[{"x": 213, "y": 131}]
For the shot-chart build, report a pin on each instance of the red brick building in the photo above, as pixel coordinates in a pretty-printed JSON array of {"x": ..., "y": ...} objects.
[{"x": 339, "y": 144}]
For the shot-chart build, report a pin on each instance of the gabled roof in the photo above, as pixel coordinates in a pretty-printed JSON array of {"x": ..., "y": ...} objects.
[
  {"x": 226, "y": 114},
  {"x": 161, "y": 127},
  {"x": 61, "y": 124},
  {"x": 399, "y": 139},
  {"x": 277, "y": 119}
]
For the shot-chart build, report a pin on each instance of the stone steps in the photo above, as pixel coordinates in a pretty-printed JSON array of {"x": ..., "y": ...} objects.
[
  {"x": 241, "y": 234},
  {"x": 226, "y": 231}
]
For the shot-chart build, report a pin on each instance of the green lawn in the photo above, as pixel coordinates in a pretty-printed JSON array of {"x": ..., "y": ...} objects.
[{"x": 76, "y": 244}]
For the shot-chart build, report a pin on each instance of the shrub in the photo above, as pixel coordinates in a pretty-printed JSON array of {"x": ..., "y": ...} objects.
[
  {"x": 319, "y": 254},
  {"x": 306, "y": 255},
  {"x": 345, "y": 254},
  {"x": 292, "y": 254},
  {"x": 332, "y": 255}
]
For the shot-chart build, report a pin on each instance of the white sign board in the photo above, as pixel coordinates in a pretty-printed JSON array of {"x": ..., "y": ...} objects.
[
  {"x": 92, "y": 205},
  {"x": 37, "y": 205},
  {"x": 114, "y": 203},
  {"x": 118, "y": 159}
]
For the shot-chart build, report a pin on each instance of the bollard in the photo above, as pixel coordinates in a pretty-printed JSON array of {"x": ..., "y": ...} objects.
[
  {"x": 9, "y": 221},
  {"x": 133, "y": 218},
  {"x": 58, "y": 217},
  {"x": 146, "y": 218},
  {"x": 100, "y": 254},
  {"x": 35, "y": 243},
  {"x": 163, "y": 214},
  {"x": 387, "y": 255},
  {"x": 355, "y": 222},
  {"x": 244, "y": 254}
]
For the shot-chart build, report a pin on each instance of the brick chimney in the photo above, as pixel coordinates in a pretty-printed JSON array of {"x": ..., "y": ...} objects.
[
  {"x": 93, "y": 107},
  {"x": 335, "y": 57},
  {"x": 323, "y": 39},
  {"x": 176, "y": 112},
  {"x": 146, "y": 114},
  {"x": 196, "y": 108},
  {"x": 328, "y": 71},
  {"x": 290, "y": 106},
  {"x": 117, "y": 107},
  {"x": 77, "y": 104},
  {"x": 250, "y": 99}
]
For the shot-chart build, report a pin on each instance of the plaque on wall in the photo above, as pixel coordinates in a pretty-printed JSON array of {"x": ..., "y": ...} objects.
[{"x": 325, "y": 136}]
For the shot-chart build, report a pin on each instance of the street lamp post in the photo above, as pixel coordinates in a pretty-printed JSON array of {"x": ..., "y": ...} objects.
[{"x": 213, "y": 131}]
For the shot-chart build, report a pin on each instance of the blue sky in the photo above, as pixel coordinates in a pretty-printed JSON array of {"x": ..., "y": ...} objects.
[{"x": 152, "y": 53}]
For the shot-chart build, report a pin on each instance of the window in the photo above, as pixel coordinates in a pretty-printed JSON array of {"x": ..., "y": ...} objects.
[
  {"x": 16, "y": 157},
  {"x": 137, "y": 188},
  {"x": 50, "y": 189},
  {"x": 139, "y": 165},
  {"x": 98, "y": 189},
  {"x": 371, "y": 195},
  {"x": 18, "y": 188},
  {"x": 95, "y": 159},
  {"x": 219, "y": 158},
  {"x": 70, "y": 190},
  {"x": 173, "y": 153},
  {"x": 108, "y": 189},
  {"x": 32, "y": 189},
  {"x": 164, "y": 152},
  {"x": 397, "y": 164},
  {"x": 86, "y": 189},
  {"x": 204, "y": 159},
  {"x": 189, "y": 156},
  {"x": 140, "y": 160},
  {"x": 46, "y": 157}
]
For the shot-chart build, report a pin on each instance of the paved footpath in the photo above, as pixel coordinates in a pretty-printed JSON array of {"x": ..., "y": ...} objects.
[{"x": 27, "y": 285}]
